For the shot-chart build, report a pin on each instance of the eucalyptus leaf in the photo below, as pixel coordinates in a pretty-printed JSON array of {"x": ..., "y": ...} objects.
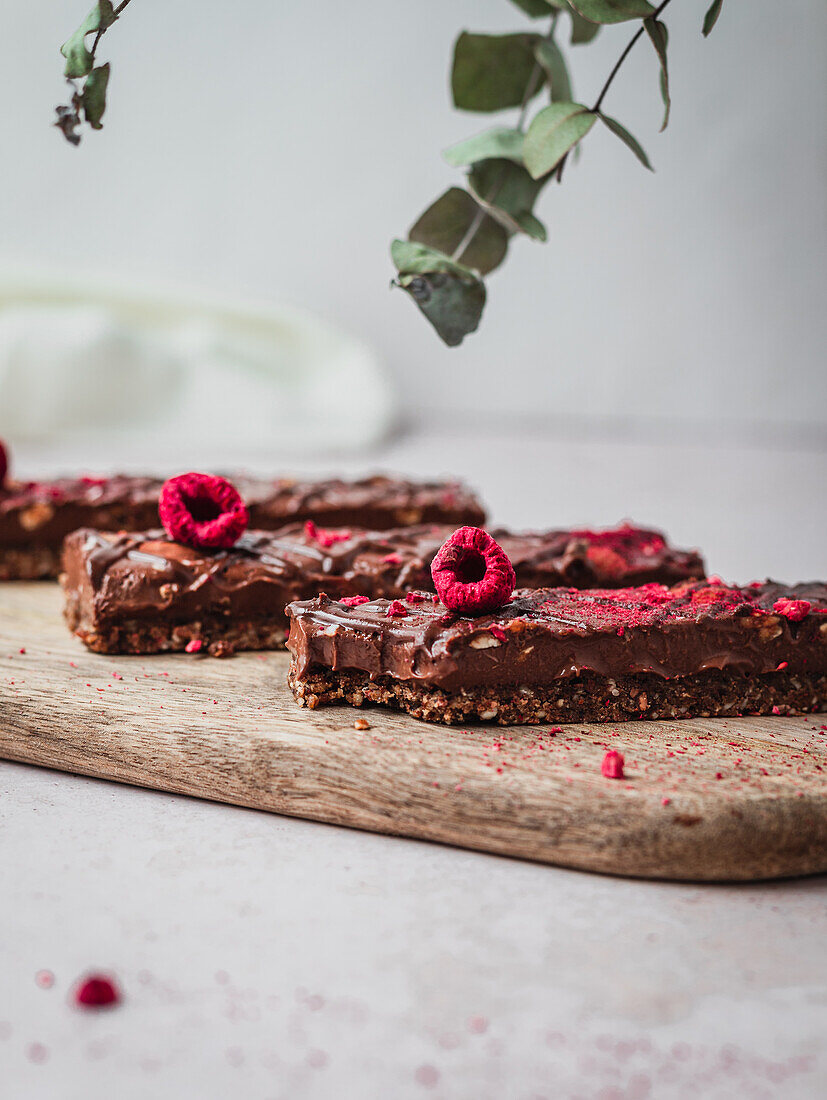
[
  {"x": 532, "y": 226},
  {"x": 612, "y": 11},
  {"x": 497, "y": 142},
  {"x": 412, "y": 258},
  {"x": 452, "y": 303},
  {"x": 78, "y": 58},
  {"x": 660, "y": 39},
  {"x": 711, "y": 17},
  {"x": 628, "y": 140},
  {"x": 508, "y": 193},
  {"x": 446, "y": 222},
  {"x": 549, "y": 55},
  {"x": 448, "y": 294},
  {"x": 582, "y": 31},
  {"x": 552, "y": 133},
  {"x": 492, "y": 72},
  {"x": 94, "y": 95}
]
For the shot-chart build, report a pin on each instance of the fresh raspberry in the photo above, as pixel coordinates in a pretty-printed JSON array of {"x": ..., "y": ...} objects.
[
  {"x": 97, "y": 991},
  {"x": 794, "y": 610},
  {"x": 4, "y": 463},
  {"x": 472, "y": 573},
  {"x": 612, "y": 766},
  {"x": 396, "y": 610},
  {"x": 354, "y": 601},
  {"x": 202, "y": 510}
]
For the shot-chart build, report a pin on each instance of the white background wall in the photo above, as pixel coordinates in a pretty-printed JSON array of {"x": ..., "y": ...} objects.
[{"x": 275, "y": 149}]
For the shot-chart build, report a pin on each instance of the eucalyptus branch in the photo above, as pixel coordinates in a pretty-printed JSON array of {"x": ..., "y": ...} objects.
[
  {"x": 90, "y": 98},
  {"x": 479, "y": 217},
  {"x": 464, "y": 235},
  {"x": 630, "y": 46},
  {"x": 466, "y": 232}
]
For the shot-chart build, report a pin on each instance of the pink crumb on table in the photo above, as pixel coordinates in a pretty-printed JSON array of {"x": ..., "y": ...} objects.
[
  {"x": 427, "y": 1076},
  {"x": 96, "y": 991},
  {"x": 612, "y": 766},
  {"x": 194, "y": 645},
  {"x": 45, "y": 979}
]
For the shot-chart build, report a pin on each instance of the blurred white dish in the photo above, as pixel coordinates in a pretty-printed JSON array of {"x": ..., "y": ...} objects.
[{"x": 77, "y": 356}]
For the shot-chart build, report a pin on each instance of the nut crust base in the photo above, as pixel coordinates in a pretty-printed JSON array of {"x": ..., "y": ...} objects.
[
  {"x": 35, "y": 563},
  {"x": 219, "y": 639},
  {"x": 585, "y": 698}
]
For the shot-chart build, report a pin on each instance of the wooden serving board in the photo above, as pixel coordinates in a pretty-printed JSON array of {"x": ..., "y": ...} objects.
[{"x": 716, "y": 799}]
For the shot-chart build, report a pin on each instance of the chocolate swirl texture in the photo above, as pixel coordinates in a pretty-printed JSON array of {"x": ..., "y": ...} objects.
[
  {"x": 36, "y": 516},
  {"x": 113, "y": 581},
  {"x": 549, "y": 635}
]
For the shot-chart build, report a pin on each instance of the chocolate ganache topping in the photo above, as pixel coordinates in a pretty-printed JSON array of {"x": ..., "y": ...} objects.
[
  {"x": 543, "y": 635},
  {"x": 141, "y": 575}
]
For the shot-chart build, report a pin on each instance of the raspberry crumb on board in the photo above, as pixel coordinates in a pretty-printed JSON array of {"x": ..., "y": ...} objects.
[
  {"x": 97, "y": 991},
  {"x": 194, "y": 646},
  {"x": 612, "y": 766}
]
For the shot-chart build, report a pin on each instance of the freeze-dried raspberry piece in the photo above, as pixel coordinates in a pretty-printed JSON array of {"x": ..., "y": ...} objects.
[
  {"x": 354, "y": 601},
  {"x": 794, "y": 610},
  {"x": 612, "y": 766},
  {"x": 4, "y": 463},
  {"x": 396, "y": 610},
  {"x": 471, "y": 572},
  {"x": 97, "y": 991},
  {"x": 195, "y": 645},
  {"x": 325, "y": 536},
  {"x": 606, "y": 561},
  {"x": 202, "y": 510}
]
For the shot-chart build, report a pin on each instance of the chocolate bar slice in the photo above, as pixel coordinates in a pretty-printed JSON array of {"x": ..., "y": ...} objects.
[
  {"x": 141, "y": 593},
  {"x": 36, "y": 516},
  {"x": 698, "y": 649}
]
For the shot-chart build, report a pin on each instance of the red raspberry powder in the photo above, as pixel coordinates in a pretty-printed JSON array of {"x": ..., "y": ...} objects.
[
  {"x": 203, "y": 511},
  {"x": 472, "y": 572},
  {"x": 97, "y": 991},
  {"x": 794, "y": 610},
  {"x": 4, "y": 463},
  {"x": 612, "y": 766}
]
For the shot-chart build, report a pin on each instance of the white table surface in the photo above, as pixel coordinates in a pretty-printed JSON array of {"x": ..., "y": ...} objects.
[{"x": 276, "y": 958}]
